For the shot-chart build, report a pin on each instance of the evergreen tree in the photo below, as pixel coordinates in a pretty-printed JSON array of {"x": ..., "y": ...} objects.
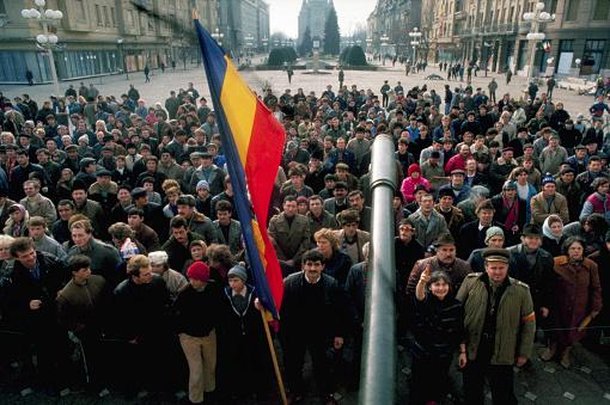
[
  {"x": 332, "y": 38},
  {"x": 306, "y": 45}
]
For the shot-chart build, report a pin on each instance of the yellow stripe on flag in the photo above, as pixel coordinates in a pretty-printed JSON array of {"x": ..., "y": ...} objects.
[
  {"x": 239, "y": 105},
  {"x": 256, "y": 231}
]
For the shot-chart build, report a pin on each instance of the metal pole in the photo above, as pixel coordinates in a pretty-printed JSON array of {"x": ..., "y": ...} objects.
[
  {"x": 530, "y": 72},
  {"x": 45, "y": 30},
  {"x": 378, "y": 376}
]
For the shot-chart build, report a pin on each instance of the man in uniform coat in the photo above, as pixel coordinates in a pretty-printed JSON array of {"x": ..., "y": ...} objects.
[
  {"x": 500, "y": 324},
  {"x": 291, "y": 233}
]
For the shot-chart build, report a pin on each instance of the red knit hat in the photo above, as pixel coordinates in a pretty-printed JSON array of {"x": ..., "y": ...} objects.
[
  {"x": 414, "y": 168},
  {"x": 199, "y": 271}
]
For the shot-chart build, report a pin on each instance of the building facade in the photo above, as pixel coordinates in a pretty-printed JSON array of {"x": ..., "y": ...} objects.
[
  {"x": 100, "y": 38},
  {"x": 388, "y": 28},
  {"x": 492, "y": 34},
  {"x": 313, "y": 15},
  {"x": 244, "y": 25}
]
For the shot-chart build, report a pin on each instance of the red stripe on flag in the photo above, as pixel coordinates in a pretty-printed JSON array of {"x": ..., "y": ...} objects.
[{"x": 264, "y": 157}]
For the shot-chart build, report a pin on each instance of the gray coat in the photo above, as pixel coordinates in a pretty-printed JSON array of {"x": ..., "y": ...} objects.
[{"x": 427, "y": 231}]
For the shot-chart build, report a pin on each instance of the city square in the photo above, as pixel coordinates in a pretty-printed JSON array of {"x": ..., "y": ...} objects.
[{"x": 132, "y": 265}]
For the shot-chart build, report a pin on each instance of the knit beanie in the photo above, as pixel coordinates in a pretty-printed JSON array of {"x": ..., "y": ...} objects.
[
  {"x": 238, "y": 271},
  {"x": 493, "y": 231},
  {"x": 199, "y": 271},
  {"x": 414, "y": 168},
  {"x": 548, "y": 178}
]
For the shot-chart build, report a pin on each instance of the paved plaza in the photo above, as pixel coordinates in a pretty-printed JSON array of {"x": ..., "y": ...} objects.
[
  {"x": 588, "y": 382},
  {"x": 161, "y": 83}
]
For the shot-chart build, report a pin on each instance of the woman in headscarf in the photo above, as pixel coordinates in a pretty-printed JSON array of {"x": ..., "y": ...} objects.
[
  {"x": 577, "y": 299},
  {"x": 16, "y": 224},
  {"x": 552, "y": 231}
]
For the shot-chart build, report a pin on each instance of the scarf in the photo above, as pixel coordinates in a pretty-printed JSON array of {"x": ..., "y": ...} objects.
[{"x": 513, "y": 212}]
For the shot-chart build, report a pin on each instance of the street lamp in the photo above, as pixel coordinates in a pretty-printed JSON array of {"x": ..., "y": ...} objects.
[
  {"x": 119, "y": 44},
  {"x": 536, "y": 17},
  {"x": 384, "y": 43},
  {"x": 218, "y": 36},
  {"x": 415, "y": 36},
  {"x": 46, "y": 40},
  {"x": 265, "y": 42}
]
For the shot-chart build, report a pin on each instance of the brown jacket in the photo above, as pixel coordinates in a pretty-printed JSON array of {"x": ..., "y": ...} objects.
[
  {"x": 541, "y": 210},
  {"x": 457, "y": 272}
]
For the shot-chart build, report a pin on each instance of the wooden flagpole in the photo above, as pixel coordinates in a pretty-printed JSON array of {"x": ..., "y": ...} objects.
[{"x": 276, "y": 367}]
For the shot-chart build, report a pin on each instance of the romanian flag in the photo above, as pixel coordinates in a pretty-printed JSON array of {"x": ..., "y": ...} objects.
[{"x": 253, "y": 141}]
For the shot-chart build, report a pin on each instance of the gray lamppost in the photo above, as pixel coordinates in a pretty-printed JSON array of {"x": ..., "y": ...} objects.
[
  {"x": 536, "y": 17},
  {"x": 384, "y": 44},
  {"x": 46, "y": 40},
  {"x": 120, "y": 45},
  {"x": 415, "y": 36}
]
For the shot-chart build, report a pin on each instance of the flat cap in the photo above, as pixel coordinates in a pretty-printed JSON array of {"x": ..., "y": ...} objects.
[{"x": 138, "y": 192}]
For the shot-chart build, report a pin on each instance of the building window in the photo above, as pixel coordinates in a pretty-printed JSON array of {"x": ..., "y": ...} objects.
[
  {"x": 552, "y": 8},
  {"x": 572, "y": 10},
  {"x": 2, "y": 7},
  {"x": 602, "y": 7},
  {"x": 80, "y": 10},
  {"x": 106, "y": 16},
  {"x": 113, "y": 16},
  {"x": 566, "y": 45},
  {"x": 592, "y": 58},
  {"x": 98, "y": 15},
  {"x": 130, "y": 19}
]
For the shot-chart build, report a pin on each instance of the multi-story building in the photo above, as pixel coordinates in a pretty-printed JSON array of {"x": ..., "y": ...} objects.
[
  {"x": 244, "y": 24},
  {"x": 389, "y": 24},
  {"x": 313, "y": 15},
  {"x": 101, "y": 37},
  {"x": 493, "y": 33}
]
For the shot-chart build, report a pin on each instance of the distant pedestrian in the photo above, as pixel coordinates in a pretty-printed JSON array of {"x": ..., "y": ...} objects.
[
  {"x": 162, "y": 67},
  {"x": 550, "y": 85},
  {"x": 290, "y": 72},
  {"x": 509, "y": 76},
  {"x": 532, "y": 90},
  {"x": 173, "y": 64},
  {"x": 492, "y": 86},
  {"x": 147, "y": 74},
  {"x": 341, "y": 78},
  {"x": 29, "y": 77},
  {"x": 384, "y": 93}
]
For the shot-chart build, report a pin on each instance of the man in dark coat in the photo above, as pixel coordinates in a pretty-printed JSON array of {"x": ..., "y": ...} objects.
[
  {"x": 31, "y": 309},
  {"x": 20, "y": 173},
  {"x": 533, "y": 265},
  {"x": 472, "y": 234},
  {"x": 140, "y": 317},
  {"x": 177, "y": 246},
  {"x": 313, "y": 319}
]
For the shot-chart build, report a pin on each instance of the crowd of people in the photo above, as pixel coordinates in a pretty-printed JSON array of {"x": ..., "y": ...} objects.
[{"x": 120, "y": 241}]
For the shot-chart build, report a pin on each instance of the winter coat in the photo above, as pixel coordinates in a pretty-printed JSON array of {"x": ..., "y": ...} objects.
[
  {"x": 576, "y": 294},
  {"x": 515, "y": 322}
]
